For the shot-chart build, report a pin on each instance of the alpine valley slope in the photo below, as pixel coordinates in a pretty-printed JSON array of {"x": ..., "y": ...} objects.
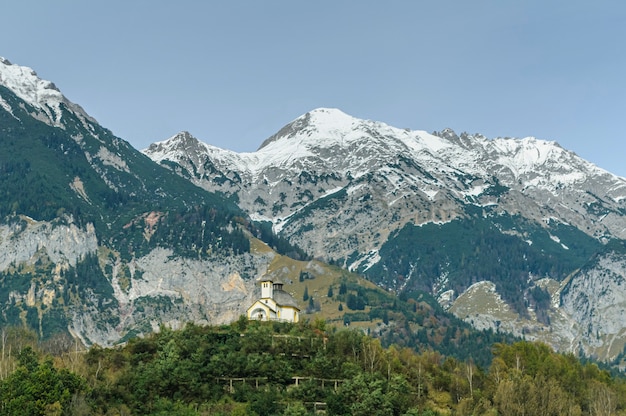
[
  {"x": 99, "y": 242},
  {"x": 508, "y": 233}
]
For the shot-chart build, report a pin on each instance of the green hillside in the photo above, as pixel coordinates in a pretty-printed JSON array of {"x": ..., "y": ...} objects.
[
  {"x": 255, "y": 368},
  {"x": 86, "y": 171}
]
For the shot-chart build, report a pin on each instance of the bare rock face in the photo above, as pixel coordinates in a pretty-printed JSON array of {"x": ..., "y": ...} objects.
[
  {"x": 167, "y": 290},
  {"x": 63, "y": 243},
  {"x": 595, "y": 298},
  {"x": 137, "y": 297}
]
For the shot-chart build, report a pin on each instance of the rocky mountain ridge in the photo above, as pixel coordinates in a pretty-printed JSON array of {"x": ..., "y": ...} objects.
[
  {"x": 45, "y": 100},
  {"x": 326, "y": 152},
  {"x": 347, "y": 190}
]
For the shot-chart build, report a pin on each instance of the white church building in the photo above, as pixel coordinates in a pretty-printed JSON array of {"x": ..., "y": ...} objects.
[{"x": 275, "y": 304}]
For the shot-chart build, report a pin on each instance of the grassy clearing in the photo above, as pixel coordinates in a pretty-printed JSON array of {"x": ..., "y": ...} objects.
[{"x": 288, "y": 270}]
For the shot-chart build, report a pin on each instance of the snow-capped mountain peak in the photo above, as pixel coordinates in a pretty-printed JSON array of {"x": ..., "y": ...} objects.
[
  {"x": 182, "y": 141},
  {"x": 182, "y": 144},
  {"x": 328, "y": 143},
  {"x": 331, "y": 119},
  {"x": 41, "y": 94},
  {"x": 326, "y": 122},
  {"x": 326, "y": 129}
]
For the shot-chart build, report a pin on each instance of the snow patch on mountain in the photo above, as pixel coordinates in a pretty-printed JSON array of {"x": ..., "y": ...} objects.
[
  {"x": 40, "y": 94},
  {"x": 7, "y": 108},
  {"x": 366, "y": 261}
]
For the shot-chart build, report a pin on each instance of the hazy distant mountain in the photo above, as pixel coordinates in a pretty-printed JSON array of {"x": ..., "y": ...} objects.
[{"x": 510, "y": 221}]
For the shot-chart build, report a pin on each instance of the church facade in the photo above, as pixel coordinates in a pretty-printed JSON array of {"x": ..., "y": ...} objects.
[{"x": 275, "y": 304}]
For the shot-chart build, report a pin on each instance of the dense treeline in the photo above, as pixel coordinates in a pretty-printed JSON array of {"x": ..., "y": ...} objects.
[
  {"x": 263, "y": 231},
  {"x": 38, "y": 388},
  {"x": 260, "y": 368},
  {"x": 415, "y": 320},
  {"x": 196, "y": 232},
  {"x": 475, "y": 249},
  {"x": 86, "y": 174}
]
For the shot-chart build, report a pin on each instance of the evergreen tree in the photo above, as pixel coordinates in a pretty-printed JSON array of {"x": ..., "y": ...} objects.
[
  {"x": 37, "y": 388},
  {"x": 254, "y": 364}
]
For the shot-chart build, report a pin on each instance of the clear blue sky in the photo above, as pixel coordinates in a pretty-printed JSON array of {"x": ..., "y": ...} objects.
[{"x": 234, "y": 72}]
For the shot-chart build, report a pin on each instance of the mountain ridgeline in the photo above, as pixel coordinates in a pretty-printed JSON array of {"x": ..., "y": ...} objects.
[{"x": 513, "y": 223}]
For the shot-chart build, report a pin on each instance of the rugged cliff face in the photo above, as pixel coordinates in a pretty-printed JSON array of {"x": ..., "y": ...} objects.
[
  {"x": 595, "y": 298},
  {"x": 438, "y": 212},
  {"x": 60, "y": 277}
]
